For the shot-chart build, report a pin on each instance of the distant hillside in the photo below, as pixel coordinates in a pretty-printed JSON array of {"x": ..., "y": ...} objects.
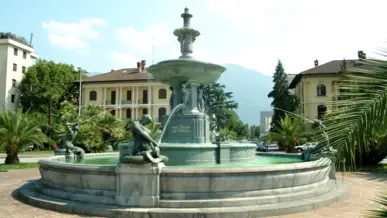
[{"x": 250, "y": 89}]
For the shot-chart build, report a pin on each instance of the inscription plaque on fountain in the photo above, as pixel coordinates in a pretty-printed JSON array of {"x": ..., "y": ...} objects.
[{"x": 181, "y": 129}]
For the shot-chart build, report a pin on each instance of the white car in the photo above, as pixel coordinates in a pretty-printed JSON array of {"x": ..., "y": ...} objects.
[{"x": 306, "y": 146}]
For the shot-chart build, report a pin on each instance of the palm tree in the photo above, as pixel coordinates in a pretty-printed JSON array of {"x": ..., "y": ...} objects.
[
  {"x": 381, "y": 212},
  {"x": 290, "y": 132},
  {"x": 18, "y": 130},
  {"x": 357, "y": 128}
]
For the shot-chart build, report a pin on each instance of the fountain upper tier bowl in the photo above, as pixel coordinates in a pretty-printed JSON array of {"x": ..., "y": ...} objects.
[{"x": 186, "y": 70}]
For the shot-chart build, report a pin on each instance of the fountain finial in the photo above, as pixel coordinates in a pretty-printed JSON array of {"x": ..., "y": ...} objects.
[
  {"x": 186, "y": 16},
  {"x": 186, "y": 35}
]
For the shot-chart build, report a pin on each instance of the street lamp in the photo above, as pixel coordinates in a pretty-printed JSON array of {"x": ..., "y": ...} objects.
[{"x": 81, "y": 71}]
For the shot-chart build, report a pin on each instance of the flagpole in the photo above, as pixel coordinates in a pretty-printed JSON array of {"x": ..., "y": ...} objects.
[{"x": 153, "y": 50}]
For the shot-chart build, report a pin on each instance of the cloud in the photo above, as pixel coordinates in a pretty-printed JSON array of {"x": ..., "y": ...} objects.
[
  {"x": 119, "y": 60},
  {"x": 141, "y": 41},
  {"x": 73, "y": 36}
]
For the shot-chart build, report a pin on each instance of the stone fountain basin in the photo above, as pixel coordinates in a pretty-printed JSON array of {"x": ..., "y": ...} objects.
[
  {"x": 186, "y": 70},
  {"x": 190, "y": 187}
]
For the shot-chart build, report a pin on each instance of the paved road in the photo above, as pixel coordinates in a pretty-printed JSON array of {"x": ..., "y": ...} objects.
[{"x": 362, "y": 189}]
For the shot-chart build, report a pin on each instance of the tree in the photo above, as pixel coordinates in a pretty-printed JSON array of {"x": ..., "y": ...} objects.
[
  {"x": 47, "y": 82},
  {"x": 18, "y": 130},
  {"x": 291, "y": 131},
  {"x": 282, "y": 99},
  {"x": 254, "y": 132},
  {"x": 218, "y": 101},
  {"x": 357, "y": 129}
]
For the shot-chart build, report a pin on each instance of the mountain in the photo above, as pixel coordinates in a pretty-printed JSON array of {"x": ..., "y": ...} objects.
[{"x": 250, "y": 89}]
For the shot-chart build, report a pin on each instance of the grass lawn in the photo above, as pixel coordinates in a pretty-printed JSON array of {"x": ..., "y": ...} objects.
[
  {"x": 44, "y": 152},
  {"x": 18, "y": 166}
]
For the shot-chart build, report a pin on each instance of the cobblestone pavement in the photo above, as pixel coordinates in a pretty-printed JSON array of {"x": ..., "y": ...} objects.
[{"x": 362, "y": 189}]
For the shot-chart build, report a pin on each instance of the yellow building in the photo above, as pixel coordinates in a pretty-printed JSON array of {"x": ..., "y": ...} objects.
[
  {"x": 127, "y": 93},
  {"x": 318, "y": 87}
]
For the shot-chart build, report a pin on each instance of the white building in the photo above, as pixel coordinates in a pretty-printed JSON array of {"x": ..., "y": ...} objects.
[{"x": 15, "y": 58}]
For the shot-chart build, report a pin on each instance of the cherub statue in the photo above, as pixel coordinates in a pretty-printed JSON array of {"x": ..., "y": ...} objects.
[
  {"x": 200, "y": 99},
  {"x": 145, "y": 148},
  {"x": 184, "y": 95},
  {"x": 71, "y": 133}
]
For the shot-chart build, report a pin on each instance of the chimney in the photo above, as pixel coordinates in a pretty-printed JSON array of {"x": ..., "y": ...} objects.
[
  {"x": 361, "y": 55},
  {"x": 139, "y": 68},
  {"x": 143, "y": 63},
  {"x": 316, "y": 63}
]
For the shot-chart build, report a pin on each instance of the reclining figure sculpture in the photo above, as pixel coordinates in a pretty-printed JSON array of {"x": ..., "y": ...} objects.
[{"x": 145, "y": 148}]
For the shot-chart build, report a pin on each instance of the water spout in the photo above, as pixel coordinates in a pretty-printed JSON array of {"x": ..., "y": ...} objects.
[{"x": 169, "y": 118}]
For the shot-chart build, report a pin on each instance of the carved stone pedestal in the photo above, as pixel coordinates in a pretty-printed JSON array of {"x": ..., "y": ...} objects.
[{"x": 138, "y": 185}]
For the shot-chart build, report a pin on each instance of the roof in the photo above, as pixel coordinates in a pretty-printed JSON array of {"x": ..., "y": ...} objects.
[
  {"x": 332, "y": 67},
  {"x": 122, "y": 75}
]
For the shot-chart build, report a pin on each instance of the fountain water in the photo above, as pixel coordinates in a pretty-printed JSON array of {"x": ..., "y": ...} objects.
[
  {"x": 150, "y": 189},
  {"x": 168, "y": 119}
]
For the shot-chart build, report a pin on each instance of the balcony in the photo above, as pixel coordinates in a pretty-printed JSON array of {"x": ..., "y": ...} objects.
[
  {"x": 142, "y": 101},
  {"x": 110, "y": 102},
  {"x": 126, "y": 102}
]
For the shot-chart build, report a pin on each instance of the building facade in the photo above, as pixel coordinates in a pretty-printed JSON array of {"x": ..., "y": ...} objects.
[
  {"x": 265, "y": 121},
  {"x": 318, "y": 88},
  {"x": 15, "y": 59},
  {"x": 128, "y": 93}
]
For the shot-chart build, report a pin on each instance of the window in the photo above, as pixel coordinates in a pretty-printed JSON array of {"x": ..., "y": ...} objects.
[
  {"x": 23, "y": 69},
  {"x": 13, "y": 98},
  {"x": 13, "y": 82},
  {"x": 15, "y": 51},
  {"x": 321, "y": 90},
  {"x": 15, "y": 67},
  {"x": 162, "y": 113},
  {"x": 128, "y": 113},
  {"x": 162, "y": 94},
  {"x": 24, "y": 54},
  {"x": 144, "y": 111},
  {"x": 113, "y": 112},
  {"x": 93, "y": 96},
  {"x": 321, "y": 111},
  {"x": 129, "y": 95}
]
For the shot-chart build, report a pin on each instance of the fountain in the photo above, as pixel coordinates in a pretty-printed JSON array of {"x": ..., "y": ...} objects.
[
  {"x": 187, "y": 137},
  {"x": 186, "y": 173}
]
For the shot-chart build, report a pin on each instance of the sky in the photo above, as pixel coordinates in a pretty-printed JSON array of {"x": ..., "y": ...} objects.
[{"x": 101, "y": 35}]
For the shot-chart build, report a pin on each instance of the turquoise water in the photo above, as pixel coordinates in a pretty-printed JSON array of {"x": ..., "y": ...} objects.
[{"x": 259, "y": 161}]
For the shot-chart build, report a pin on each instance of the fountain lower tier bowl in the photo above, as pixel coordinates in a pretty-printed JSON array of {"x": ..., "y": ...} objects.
[
  {"x": 156, "y": 190},
  {"x": 186, "y": 70}
]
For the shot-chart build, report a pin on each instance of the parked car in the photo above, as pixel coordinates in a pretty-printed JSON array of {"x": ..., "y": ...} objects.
[
  {"x": 261, "y": 146},
  {"x": 301, "y": 148},
  {"x": 29, "y": 148}
]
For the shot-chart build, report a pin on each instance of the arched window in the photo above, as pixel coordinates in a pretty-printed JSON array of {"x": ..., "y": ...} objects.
[
  {"x": 93, "y": 96},
  {"x": 144, "y": 111},
  {"x": 162, "y": 113},
  {"x": 321, "y": 90},
  {"x": 162, "y": 94},
  {"x": 321, "y": 111}
]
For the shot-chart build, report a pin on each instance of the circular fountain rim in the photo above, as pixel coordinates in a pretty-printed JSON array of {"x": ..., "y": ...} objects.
[{"x": 190, "y": 169}]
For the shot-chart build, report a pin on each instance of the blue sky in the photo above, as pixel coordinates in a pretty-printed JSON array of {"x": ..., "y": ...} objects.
[{"x": 100, "y": 35}]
